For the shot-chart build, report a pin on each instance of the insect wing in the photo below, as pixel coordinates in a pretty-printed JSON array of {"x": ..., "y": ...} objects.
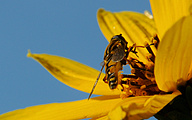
[
  {"x": 96, "y": 81},
  {"x": 102, "y": 63}
]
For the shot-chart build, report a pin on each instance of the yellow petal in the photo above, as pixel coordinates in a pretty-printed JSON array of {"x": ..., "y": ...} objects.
[
  {"x": 117, "y": 113},
  {"x": 101, "y": 118},
  {"x": 142, "y": 107},
  {"x": 93, "y": 108},
  {"x": 135, "y": 27},
  {"x": 173, "y": 65},
  {"x": 74, "y": 74},
  {"x": 167, "y": 12}
]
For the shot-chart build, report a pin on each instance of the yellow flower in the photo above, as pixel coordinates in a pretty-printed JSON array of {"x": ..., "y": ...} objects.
[{"x": 173, "y": 66}]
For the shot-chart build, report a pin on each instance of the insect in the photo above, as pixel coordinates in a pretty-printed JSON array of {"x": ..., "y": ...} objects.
[{"x": 115, "y": 56}]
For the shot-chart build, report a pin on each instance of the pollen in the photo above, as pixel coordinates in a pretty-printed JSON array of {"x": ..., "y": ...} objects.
[{"x": 141, "y": 81}]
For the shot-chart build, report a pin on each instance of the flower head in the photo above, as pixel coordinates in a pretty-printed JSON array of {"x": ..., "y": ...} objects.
[{"x": 161, "y": 62}]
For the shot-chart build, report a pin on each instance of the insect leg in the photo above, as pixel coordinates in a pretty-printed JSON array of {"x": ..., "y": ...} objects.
[{"x": 133, "y": 49}]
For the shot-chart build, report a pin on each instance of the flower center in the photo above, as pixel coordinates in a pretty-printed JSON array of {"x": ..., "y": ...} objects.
[{"x": 141, "y": 81}]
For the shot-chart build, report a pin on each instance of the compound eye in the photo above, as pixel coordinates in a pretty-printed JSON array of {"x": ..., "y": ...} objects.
[
  {"x": 118, "y": 55},
  {"x": 115, "y": 37}
]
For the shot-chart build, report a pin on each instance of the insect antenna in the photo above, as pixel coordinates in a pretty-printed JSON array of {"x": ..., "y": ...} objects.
[{"x": 96, "y": 80}]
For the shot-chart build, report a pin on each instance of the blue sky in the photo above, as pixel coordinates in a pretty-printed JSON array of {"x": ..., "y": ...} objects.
[{"x": 66, "y": 28}]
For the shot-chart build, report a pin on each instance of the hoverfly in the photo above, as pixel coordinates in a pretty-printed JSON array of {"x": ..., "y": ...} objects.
[{"x": 115, "y": 56}]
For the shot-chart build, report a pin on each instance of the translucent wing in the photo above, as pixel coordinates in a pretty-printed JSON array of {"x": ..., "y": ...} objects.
[{"x": 96, "y": 81}]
